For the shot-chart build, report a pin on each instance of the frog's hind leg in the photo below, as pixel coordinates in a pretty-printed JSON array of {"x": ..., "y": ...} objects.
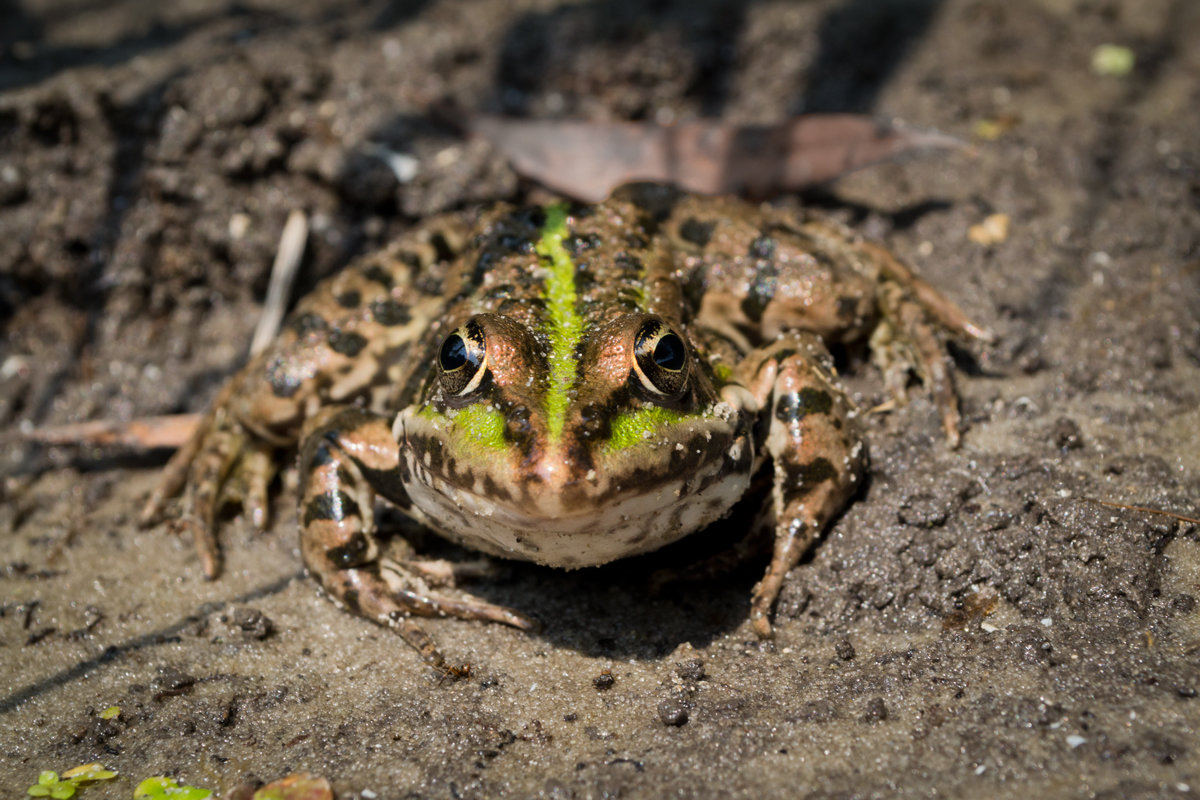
[{"x": 346, "y": 454}]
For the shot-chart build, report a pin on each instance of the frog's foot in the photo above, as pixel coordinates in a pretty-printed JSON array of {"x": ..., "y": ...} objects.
[
  {"x": 909, "y": 337},
  {"x": 220, "y": 463},
  {"x": 337, "y": 532},
  {"x": 817, "y": 452}
]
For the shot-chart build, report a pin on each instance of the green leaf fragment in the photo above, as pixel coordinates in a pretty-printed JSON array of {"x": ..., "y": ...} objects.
[
  {"x": 161, "y": 787},
  {"x": 89, "y": 772},
  {"x": 46, "y": 784},
  {"x": 50, "y": 784},
  {"x": 1112, "y": 60}
]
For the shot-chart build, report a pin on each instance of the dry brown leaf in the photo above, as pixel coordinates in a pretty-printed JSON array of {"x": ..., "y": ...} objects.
[{"x": 587, "y": 160}]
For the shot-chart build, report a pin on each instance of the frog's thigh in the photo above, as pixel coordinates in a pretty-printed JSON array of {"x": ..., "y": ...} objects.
[
  {"x": 345, "y": 455},
  {"x": 817, "y": 452}
]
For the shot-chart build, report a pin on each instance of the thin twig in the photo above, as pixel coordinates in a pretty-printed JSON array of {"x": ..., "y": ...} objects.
[
  {"x": 283, "y": 274},
  {"x": 1143, "y": 509},
  {"x": 146, "y": 433}
]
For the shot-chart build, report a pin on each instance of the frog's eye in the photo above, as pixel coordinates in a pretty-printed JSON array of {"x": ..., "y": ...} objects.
[
  {"x": 462, "y": 360},
  {"x": 660, "y": 359}
]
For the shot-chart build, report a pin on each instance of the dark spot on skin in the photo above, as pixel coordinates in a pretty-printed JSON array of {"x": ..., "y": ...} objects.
[
  {"x": 629, "y": 263},
  {"x": 350, "y": 598},
  {"x": 434, "y": 451},
  {"x": 795, "y": 407},
  {"x": 428, "y": 283},
  {"x": 409, "y": 259},
  {"x": 762, "y": 290},
  {"x": 347, "y": 343},
  {"x": 443, "y": 246},
  {"x": 532, "y": 216},
  {"x": 389, "y": 312},
  {"x": 351, "y": 554},
  {"x": 307, "y": 323},
  {"x": 800, "y": 479},
  {"x": 494, "y": 490},
  {"x": 580, "y": 242},
  {"x": 490, "y": 255},
  {"x": 379, "y": 275},
  {"x": 350, "y": 299},
  {"x": 762, "y": 247},
  {"x": 321, "y": 456},
  {"x": 334, "y": 506},
  {"x": 696, "y": 231},
  {"x": 585, "y": 281},
  {"x": 815, "y": 401},
  {"x": 284, "y": 382},
  {"x": 635, "y": 241}
]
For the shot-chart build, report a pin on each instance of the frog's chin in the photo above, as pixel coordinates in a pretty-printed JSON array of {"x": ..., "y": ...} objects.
[
  {"x": 635, "y": 521},
  {"x": 629, "y": 503}
]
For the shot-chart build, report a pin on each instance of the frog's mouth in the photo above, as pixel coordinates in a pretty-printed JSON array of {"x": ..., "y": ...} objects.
[{"x": 559, "y": 512}]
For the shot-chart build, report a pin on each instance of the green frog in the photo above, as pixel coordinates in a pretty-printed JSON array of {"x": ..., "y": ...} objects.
[{"x": 567, "y": 385}]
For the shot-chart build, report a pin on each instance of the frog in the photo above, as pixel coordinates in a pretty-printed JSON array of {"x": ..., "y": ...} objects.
[{"x": 568, "y": 385}]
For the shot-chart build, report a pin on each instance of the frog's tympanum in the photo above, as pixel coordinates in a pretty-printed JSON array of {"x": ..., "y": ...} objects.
[{"x": 569, "y": 386}]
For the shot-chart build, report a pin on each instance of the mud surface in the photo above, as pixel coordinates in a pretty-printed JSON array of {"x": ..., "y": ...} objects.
[{"x": 975, "y": 624}]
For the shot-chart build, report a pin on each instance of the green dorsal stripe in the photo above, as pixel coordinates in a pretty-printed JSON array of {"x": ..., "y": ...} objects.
[{"x": 565, "y": 325}]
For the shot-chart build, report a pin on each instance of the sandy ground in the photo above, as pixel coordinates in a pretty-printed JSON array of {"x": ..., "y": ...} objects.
[{"x": 975, "y": 624}]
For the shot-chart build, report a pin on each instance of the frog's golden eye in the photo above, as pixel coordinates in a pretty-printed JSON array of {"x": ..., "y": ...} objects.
[
  {"x": 661, "y": 359},
  {"x": 462, "y": 360}
]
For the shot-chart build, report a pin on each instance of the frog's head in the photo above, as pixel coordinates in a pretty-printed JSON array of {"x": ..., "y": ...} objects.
[{"x": 573, "y": 456}]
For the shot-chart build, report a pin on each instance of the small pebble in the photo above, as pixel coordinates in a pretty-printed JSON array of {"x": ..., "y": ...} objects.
[
  {"x": 672, "y": 712},
  {"x": 876, "y": 710},
  {"x": 691, "y": 670}
]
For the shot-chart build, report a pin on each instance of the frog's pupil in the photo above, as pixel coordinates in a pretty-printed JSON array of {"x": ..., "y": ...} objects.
[
  {"x": 454, "y": 352},
  {"x": 669, "y": 352}
]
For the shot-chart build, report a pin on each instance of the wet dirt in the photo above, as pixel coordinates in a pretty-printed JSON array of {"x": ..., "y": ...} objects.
[{"x": 977, "y": 622}]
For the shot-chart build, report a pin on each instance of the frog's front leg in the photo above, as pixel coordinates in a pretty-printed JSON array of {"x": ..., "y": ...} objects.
[
  {"x": 345, "y": 456},
  {"x": 813, "y": 439}
]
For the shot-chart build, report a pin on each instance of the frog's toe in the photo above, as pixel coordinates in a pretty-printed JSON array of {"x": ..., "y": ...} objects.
[
  {"x": 390, "y": 595},
  {"x": 415, "y": 594},
  {"x": 249, "y": 482},
  {"x": 205, "y": 539}
]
